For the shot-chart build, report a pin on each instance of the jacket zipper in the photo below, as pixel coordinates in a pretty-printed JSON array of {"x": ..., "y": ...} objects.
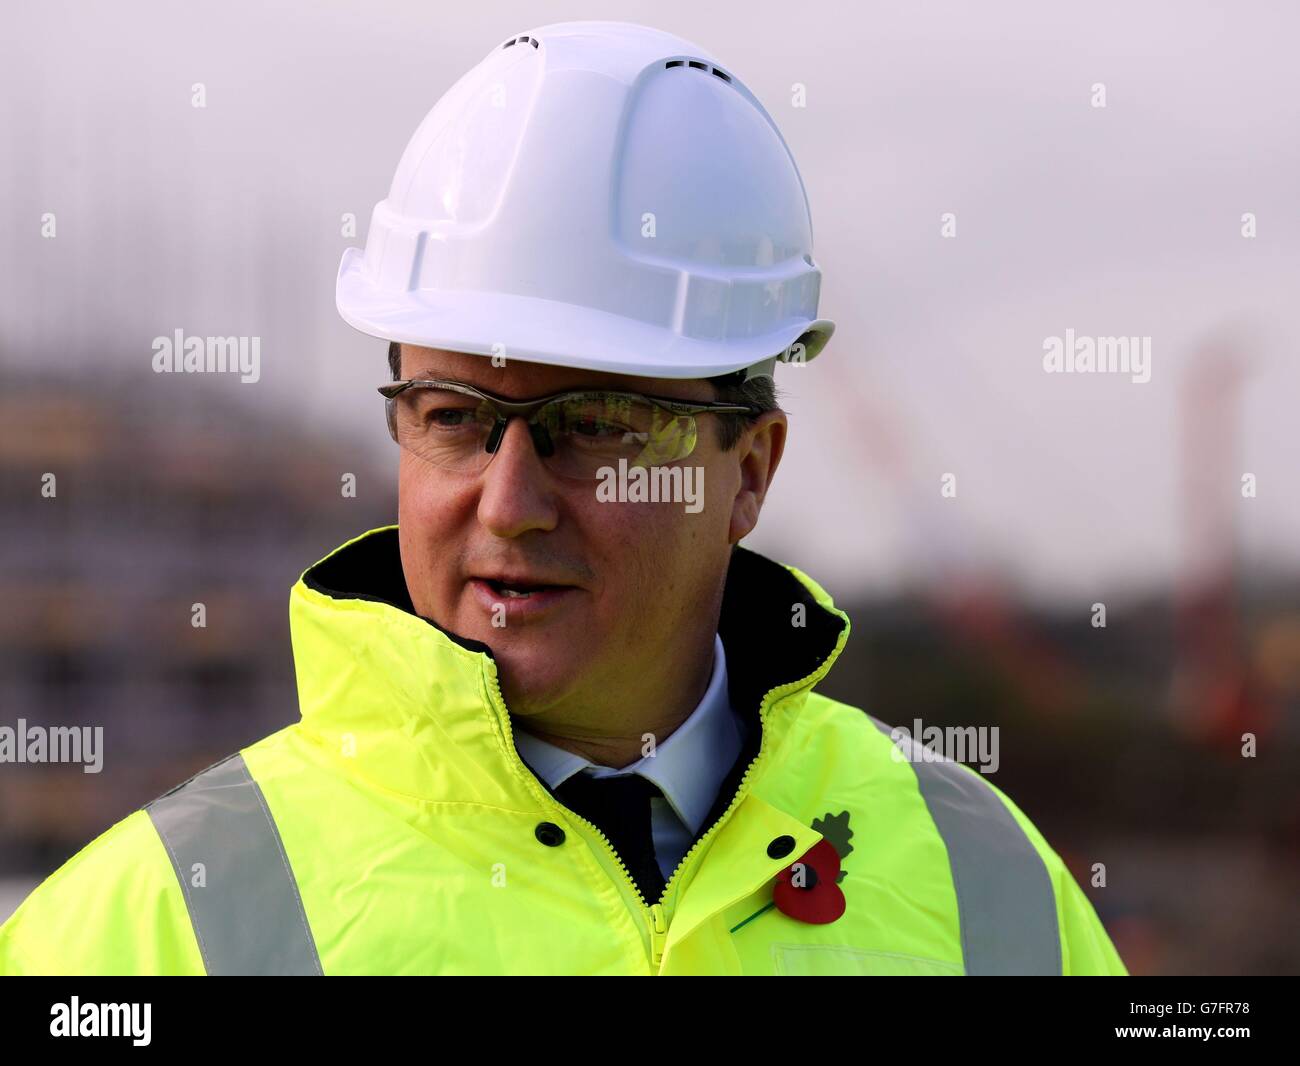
[{"x": 653, "y": 915}]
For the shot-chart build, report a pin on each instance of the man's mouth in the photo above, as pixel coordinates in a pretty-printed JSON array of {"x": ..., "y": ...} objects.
[
  {"x": 518, "y": 590},
  {"x": 513, "y": 596}
]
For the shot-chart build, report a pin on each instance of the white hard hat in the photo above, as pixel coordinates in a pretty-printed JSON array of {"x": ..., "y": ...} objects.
[{"x": 599, "y": 195}]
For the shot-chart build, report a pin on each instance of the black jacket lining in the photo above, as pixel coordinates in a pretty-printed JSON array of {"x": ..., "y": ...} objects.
[{"x": 371, "y": 569}]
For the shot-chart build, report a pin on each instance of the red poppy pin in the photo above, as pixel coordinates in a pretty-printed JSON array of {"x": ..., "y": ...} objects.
[{"x": 808, "y": 889}]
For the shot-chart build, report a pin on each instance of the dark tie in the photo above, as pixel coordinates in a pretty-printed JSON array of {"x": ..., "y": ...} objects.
[{"x": 620, "y": 808}]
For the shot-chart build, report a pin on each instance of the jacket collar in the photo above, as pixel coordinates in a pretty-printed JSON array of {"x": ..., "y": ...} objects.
[{"x": 416, "y": 709}]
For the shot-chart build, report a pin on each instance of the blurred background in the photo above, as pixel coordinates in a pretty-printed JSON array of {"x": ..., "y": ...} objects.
[{"x": 1171, "y": 212}]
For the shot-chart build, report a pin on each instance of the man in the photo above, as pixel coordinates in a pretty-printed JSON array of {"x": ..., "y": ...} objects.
[{"x": 557, "y": 720}]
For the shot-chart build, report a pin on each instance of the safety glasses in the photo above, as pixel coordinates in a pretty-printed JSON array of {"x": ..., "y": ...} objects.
[{"x": 458, "y": 428}]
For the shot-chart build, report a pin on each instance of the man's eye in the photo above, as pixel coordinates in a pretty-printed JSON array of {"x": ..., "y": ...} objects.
[
  {"x": 449, "y": 417},
  {"x": 592, "y": 427}
]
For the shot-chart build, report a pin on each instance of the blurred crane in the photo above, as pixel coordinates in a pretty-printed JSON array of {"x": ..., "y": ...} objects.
[
  {"x": 964, "y": 599},
  {"x": 1213, "y": 695}
]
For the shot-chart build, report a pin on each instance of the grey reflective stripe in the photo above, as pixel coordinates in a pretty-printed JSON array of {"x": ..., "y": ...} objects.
[
  {"x": 1005, "y": 901},
  {"x": 247, "y": 915}
]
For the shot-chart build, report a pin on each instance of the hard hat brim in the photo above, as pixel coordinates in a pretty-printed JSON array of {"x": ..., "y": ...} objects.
[{"x": 536, "y": 330}]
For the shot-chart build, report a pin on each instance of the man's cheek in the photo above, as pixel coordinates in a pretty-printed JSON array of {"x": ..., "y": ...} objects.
[{"x": 419, "y": 498}]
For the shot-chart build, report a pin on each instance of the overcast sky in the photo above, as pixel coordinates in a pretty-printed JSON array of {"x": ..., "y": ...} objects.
[{"x": 1123, "y": 220}]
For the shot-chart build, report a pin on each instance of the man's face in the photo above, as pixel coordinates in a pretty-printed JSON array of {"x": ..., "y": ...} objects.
[{"x": 645, "y": 578}]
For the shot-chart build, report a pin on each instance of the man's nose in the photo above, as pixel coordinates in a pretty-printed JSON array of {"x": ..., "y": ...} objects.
[{"x": 518, "y": 492}]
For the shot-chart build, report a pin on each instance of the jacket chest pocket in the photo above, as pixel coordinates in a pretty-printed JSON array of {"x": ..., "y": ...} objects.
[{"x": 825, "y": 960}]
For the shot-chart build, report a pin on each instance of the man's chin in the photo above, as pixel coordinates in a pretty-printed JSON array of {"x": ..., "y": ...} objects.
[
  {"x": 540, "y": 660},
  {"x": 534, "y": 681}
]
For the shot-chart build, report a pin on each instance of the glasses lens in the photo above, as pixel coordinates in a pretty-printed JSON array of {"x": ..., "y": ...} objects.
[
  {"x": 445, "y": 428},
  {"x": 588, "y": 432},
  {"x": 595, "y": 430}
]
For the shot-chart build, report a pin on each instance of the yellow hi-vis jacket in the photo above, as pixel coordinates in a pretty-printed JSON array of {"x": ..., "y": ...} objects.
[{"x": 395, "y": 829}]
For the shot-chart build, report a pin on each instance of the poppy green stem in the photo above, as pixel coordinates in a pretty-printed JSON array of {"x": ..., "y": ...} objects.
[{"x": 753, "y": 916}]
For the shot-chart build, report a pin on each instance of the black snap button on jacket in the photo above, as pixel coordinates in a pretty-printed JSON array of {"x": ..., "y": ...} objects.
[{"x": 549, "y": 834}]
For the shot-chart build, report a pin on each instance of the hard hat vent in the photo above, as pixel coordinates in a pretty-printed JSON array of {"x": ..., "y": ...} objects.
[
  {"x": 521, "y": 40},
  {"x": 699, "y": 65}
]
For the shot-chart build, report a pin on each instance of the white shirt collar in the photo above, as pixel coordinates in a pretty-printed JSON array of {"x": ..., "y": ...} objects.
[{"x": 688, "y": 767}]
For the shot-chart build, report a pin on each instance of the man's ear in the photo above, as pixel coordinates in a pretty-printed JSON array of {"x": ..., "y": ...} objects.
[{"x": 759, "y": 452}]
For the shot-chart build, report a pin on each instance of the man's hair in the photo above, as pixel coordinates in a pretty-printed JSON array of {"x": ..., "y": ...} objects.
[{"x": 758, "y": 392}]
